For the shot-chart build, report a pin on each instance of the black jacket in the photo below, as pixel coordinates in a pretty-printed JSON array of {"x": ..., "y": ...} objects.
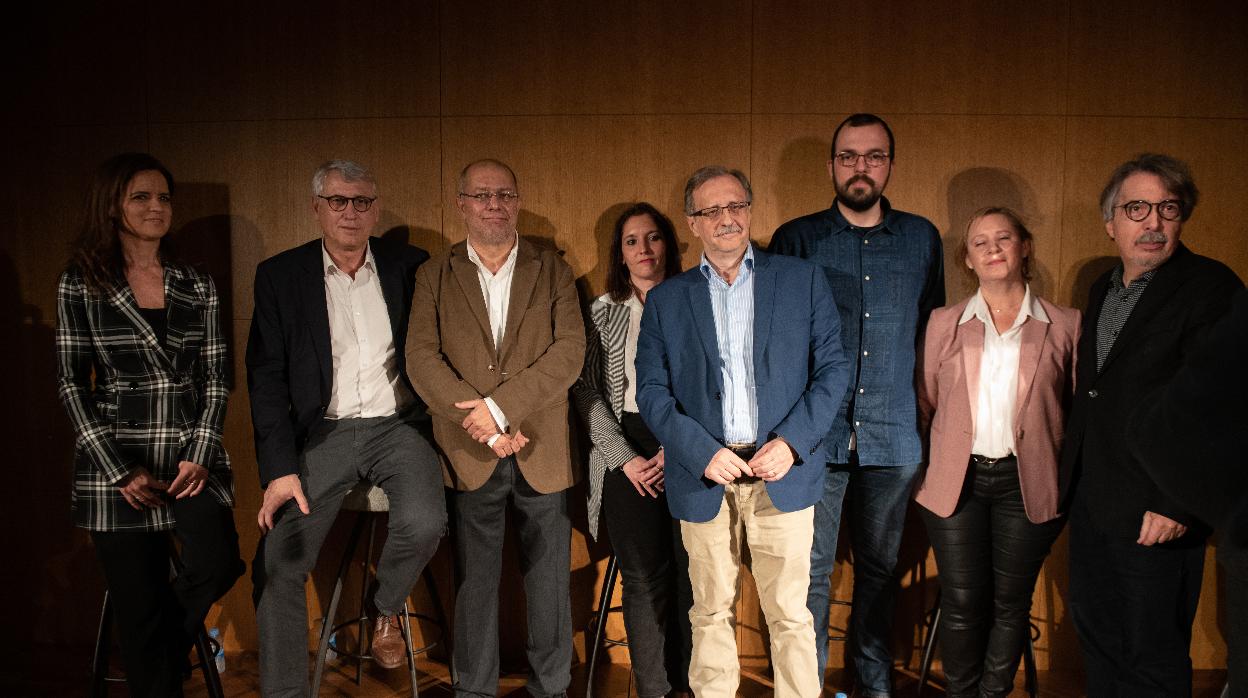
[
  {"x": 1188, "y": 293},
  {"x": 289, "y": 364}
]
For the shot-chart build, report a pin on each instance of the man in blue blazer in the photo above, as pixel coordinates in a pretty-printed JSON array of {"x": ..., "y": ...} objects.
[
  {"x": 332, "y": 405},
  {"x": 739, "y": 374}
]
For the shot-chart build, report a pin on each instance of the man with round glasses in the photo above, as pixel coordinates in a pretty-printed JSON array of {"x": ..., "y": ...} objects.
[
  {"x": 1136, "y": 555},
  {"x": 886, "y": 270},
  {"x": 331, "y": 405}
]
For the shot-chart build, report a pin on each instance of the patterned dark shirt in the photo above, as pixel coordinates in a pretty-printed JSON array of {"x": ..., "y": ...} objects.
[{"x": 1119, "y": 302}]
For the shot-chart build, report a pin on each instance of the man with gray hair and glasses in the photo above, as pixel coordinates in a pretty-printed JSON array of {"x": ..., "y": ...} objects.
[
  {"x": 1136, "y": 555},
  {"x": 739, "y": 372},
  {"x": 332, "y": 406}
]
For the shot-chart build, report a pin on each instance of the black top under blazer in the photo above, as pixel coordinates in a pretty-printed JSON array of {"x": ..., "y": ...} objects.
[
  {"x": 1185, "y": 296},
  {"x": 289, "y": 361}
]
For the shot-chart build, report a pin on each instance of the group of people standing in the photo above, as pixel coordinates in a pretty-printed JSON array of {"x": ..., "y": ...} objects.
[{"x": 742, "y": 407}]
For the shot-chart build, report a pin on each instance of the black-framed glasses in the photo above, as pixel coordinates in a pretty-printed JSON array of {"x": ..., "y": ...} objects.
[
  {"x": 714, "y": 212},
  {"x": 848, "y": 158},
  {"x": 1138, "y": 210},
  {"x": 339, "y": 203},
  {"x": 483, "y": 198}
]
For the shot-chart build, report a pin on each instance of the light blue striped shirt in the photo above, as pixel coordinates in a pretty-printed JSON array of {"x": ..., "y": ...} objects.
[{"x": 733, "y": 307}]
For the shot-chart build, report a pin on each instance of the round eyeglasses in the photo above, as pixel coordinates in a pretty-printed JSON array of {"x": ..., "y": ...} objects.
[
  {"x": 339, "y": 203},
  {"x": 1138, "y": 210}
]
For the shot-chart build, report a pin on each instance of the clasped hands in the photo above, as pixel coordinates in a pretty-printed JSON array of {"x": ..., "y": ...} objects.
[
  {"x": 480, "y": 425},
  {"x": 140, "y": 489},
  {"x": 769, "y": 463}
]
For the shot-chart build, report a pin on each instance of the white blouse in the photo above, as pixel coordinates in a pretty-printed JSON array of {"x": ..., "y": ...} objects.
[{"x": 998, "y": 375}]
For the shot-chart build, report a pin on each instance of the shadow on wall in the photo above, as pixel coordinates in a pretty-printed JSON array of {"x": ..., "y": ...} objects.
[
  {"x": 979, "y": 187},
  {"x": 802, "y": 182}
]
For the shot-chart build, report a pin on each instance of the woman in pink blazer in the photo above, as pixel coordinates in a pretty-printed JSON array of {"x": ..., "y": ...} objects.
[{"x": 997, "y": 375}]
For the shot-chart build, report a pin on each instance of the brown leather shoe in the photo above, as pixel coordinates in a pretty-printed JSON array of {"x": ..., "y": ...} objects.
[{"x": 388, "y": 647}]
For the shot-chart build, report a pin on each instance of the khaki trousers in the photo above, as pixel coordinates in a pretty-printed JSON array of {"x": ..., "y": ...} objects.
[{"x": 780, "y": 562}]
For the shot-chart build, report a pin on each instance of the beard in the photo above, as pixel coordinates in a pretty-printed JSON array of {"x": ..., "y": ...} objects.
[{"x": 858, "y": 201}]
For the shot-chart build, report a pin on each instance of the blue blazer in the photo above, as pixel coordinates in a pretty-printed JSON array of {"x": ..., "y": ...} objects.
[{"x": 800, "y": 373}]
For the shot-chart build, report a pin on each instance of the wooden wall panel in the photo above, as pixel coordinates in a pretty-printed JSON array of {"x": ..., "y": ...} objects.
[
  {"x": 1159, "y": 58},
  {"x": 1095, "y": 146},
  {"x": 65, "y": 67},
  {"x": 242, "y": 60},
  {"x": 577, "y": 172},
  {"x": 947, "y": 167},
  {"x": 948, "y": 57},
  {"x": 616, "y": 57},
  {"x": 266, "y": 169}
]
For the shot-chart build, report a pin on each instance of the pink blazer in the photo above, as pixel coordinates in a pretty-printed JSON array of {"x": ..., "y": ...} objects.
[{"x": 948, "y": 391}]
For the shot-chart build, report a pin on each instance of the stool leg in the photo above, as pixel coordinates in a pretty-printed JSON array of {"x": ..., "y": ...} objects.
[
  {"x": 362, "y": 623},
  {"x": 327, "y": 623},
  {"x": 1030, "y": 680},
  {"x": 411, "y": 653},
  {"x": 208, "y": 665},
  {"x": 929, "y": 648},
  {"x": 440, "y": 614},
  {"x": 600, "y": 618},
  {"x": 103, "y": 638}
]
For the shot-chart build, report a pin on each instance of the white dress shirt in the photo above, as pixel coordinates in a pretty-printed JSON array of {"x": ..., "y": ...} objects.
[
  {"x": 496, "y": 291},
  {"x": 366, "y": 377},
  {"x": 998, "y": 375}
]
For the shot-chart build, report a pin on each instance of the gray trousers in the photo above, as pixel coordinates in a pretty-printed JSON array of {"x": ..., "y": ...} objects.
[
  {"x": 391, "y": 453},
  {"x": 545, "y": 533}
]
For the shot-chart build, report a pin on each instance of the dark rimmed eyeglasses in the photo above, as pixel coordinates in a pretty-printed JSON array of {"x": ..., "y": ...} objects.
[
  {"x": 848, "y": 158},
  {"x": 339, "y": 203},
  {"x": 1138, "y": 210}
]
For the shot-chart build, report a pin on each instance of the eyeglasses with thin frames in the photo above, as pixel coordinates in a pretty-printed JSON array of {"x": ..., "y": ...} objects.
[
  {"x": 713, "y": 213},
  {"x": 483, "y": 198},
  {"x": 339, "y": 203},
  {"x": 848, "y": 158}
]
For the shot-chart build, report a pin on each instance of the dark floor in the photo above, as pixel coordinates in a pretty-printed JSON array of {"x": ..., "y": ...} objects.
[{"x": 43, "y": 673}]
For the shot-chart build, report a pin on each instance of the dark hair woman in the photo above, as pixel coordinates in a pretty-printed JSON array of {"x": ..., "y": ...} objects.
[
  {"x": 626, "y": 462},
  {"x": 998, "y": 365},
  {"x": 141, "y": 372}
]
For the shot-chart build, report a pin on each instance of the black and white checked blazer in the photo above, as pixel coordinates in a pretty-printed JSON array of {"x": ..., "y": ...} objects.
[
  {"x": 599, "y": 396},
  {"x": 134, "y": 402}
]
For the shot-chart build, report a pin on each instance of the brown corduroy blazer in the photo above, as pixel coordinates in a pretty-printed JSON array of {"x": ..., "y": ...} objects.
[
  {"x": 948, "y": 393},
  {"x": 451, "y": 358}
]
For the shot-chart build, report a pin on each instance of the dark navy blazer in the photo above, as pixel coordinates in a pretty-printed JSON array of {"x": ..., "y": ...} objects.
[{"x": 800, "y": 373}]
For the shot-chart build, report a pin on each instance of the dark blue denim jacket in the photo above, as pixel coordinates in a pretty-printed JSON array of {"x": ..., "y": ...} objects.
[{"x": 886, "y": 281}]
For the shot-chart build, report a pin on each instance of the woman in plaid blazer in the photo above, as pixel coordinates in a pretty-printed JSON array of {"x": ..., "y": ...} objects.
[
  {"x": 140, "y": 368},
  {"x": 626, "y": 461}
]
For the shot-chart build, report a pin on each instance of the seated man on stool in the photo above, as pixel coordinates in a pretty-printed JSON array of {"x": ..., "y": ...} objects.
[{"x": 332, "y": 405}]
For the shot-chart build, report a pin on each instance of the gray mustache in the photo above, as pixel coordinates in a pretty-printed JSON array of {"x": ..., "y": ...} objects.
[
  {"x": 728, "y": 230},
  {"x": 1151, "y": 237}
]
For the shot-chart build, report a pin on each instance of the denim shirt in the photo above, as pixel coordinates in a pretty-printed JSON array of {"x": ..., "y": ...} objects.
[{"x": 886, "y": 281}]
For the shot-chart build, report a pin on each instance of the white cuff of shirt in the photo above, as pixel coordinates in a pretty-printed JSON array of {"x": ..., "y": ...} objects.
[
  {"x": 499, "y": 418},
  {"x": 493, "y": 438}
]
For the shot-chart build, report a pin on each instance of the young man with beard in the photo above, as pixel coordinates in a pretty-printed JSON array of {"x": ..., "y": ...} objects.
[{"x": 886, "y": 271}]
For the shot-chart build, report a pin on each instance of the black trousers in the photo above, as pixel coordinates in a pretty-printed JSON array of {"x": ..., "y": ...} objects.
[
  {"x": 655, "y": 568},
  {"x": 545, "y": 533},
  {"x": 989, "y": 555},
  {"x": 1133, "y": 608},
  {"x": 157, "y": 619}
]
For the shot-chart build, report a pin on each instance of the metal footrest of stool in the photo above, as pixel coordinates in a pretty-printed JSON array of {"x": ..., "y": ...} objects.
[{"x": 598, "y": 622}]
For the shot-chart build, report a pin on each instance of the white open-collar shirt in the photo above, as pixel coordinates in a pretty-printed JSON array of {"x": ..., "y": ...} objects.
[
  {"x": 998, "y": 375},
  {"x": 496, "y": 291}
]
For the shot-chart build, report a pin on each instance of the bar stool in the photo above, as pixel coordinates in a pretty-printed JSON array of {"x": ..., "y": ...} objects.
[
  {"x": 368, "y": 501},
  {"x": 597, "y": 622},
  {"x": 205, "y": 647},
  {"x": 1031, "y": 681}
]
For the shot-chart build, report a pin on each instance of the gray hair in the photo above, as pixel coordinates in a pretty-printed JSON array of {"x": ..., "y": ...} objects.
[
  {"x": 1173, "y": 173},
  {"x": 349, "y": 170},
  {"x": 463, "y": 174},
  {"x": 710, "y": 172}
]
